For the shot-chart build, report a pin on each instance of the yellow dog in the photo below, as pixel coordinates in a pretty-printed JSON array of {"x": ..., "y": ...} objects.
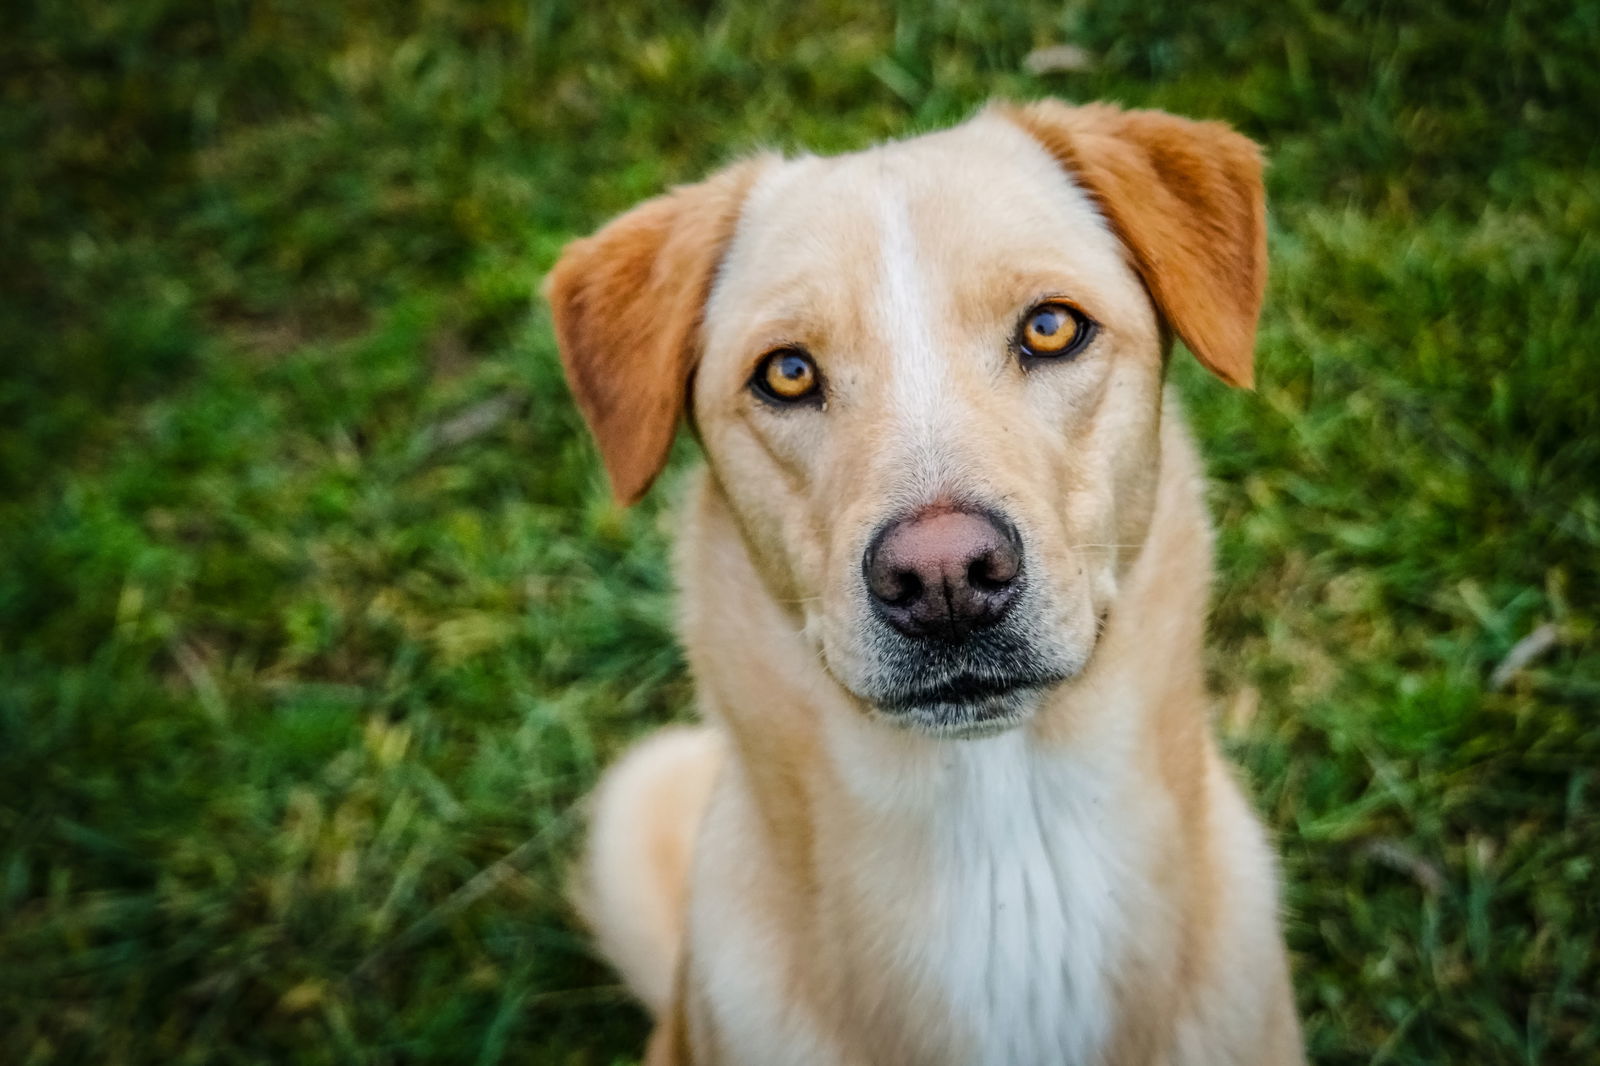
[{"x": 944, "y": 588}]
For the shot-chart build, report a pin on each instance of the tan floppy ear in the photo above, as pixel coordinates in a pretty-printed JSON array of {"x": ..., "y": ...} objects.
[
  {"x": 1186, "y": 199},
  {"x": 627, "y": 304}
]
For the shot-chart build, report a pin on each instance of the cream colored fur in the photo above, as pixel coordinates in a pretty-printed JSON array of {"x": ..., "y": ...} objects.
[{"x": 800, "y": 880}]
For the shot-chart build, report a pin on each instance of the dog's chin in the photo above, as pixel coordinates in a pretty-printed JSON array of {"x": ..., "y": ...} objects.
[
  {"x": 964, "y": 717},
  {"x": 987, "y": 685}
]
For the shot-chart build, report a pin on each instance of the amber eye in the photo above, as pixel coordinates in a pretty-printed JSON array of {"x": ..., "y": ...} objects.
[
  {"x": 787, "y": 376},
  {"x": 1053, "y": 330}
]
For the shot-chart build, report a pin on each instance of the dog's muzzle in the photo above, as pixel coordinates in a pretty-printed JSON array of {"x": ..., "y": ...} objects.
[{"x": 953, "y": 653}]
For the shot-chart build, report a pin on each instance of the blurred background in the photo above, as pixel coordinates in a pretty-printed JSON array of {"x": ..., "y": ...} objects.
[{"x": 316, "y": 619}]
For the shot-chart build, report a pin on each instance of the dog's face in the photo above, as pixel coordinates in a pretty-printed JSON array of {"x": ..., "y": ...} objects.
[
  {"x": 927, "y": 378},
  {"x": 908, "y": 291}
]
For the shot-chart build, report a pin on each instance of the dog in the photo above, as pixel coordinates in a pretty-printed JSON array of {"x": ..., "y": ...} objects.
[{"x": 943, "y": 584}]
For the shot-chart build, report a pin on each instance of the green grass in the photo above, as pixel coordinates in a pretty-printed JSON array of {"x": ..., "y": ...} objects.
[{"x": 315, "y": 619}]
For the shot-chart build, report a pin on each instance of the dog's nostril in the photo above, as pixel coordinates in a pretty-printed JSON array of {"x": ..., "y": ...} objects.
[
  {"x": 998, "y": 567},
  {"x": 906, "y": 588},
  {"x": 981, "y": 575}
]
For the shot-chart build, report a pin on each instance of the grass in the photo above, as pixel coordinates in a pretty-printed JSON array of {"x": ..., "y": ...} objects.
[{"x": 315, "y": 619}]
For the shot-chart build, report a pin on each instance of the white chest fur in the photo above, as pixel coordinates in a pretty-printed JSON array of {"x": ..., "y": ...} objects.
[{"x": 989, "y": 903}]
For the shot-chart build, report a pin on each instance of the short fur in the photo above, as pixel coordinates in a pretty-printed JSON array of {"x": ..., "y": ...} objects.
[{"x": 808, "y": 878}]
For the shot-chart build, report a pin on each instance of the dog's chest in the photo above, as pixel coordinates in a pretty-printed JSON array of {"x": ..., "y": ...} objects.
[{"x": 994, "y": 905}]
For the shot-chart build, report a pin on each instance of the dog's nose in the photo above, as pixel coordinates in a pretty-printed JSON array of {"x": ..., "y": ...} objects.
[{"x": 944, "y": 573}]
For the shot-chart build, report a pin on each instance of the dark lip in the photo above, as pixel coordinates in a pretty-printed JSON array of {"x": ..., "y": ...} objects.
[{"x": 963, "y": 690}]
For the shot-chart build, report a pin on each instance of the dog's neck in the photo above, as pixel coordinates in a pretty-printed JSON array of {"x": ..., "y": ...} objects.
[{"x": 980, "y": 872}]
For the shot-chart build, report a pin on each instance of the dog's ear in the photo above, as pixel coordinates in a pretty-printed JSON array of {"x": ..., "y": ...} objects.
[
  {"x": 627, "y": 304},
  {"x": 1186, "y": 199}
]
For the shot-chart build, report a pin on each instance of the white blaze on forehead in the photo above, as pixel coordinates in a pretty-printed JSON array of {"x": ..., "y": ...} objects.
[{"x": 906, "y": 312}]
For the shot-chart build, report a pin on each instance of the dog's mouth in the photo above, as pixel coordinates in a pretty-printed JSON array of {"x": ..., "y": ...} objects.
[
  {"x": 967, "y": 704},
  {"x": 961, "y": 690},
  {"x": 988, "y": 682}
]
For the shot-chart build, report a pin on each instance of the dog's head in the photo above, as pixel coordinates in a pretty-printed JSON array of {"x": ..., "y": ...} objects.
[{"x": 928, "y": 378}]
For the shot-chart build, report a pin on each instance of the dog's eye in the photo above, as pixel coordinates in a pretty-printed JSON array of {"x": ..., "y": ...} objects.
[
  {"x": 1052, "y": 330},
  {"x": 787, "y": 376}
]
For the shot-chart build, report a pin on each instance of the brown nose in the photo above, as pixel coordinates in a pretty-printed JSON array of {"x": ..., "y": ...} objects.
[{"x": 944, "y": 573}]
